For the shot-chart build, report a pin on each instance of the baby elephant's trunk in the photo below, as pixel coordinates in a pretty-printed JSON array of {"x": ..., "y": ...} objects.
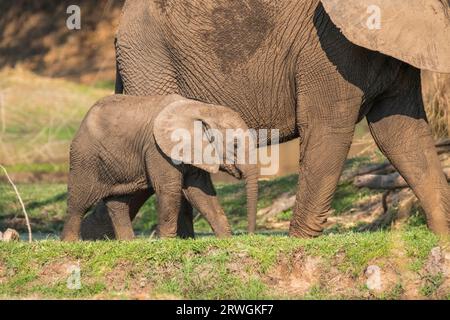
[{"x": 251, "y": 180}]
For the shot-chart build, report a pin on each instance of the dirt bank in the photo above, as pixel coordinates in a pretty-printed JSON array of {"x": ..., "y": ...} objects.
[{"x": 34, "y": 34}]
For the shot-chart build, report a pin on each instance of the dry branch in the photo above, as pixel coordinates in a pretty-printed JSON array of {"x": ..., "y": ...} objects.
[
  {"x": 283, "y": 203},
  {"x": 30, "y": 235},
  {"x": 382, "y": 168},
  {"x": 443, "y": 146},
  {"x": 443, "y": 143},
  {"x": 386, "y": 182}
]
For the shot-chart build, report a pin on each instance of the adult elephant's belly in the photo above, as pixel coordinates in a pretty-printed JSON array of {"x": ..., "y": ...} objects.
[{"x": 264, "y": 102}]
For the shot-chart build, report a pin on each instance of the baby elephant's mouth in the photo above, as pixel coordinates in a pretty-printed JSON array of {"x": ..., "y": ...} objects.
[{"x": 232, "y": 170}]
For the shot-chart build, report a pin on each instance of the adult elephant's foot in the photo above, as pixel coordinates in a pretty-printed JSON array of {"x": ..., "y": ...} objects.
[
  {"x": 328, "y": 109},
  {"x": 435, "y": 200},
  {"x": 307, "y": 225},
  {"x": 439, "y": 222}
]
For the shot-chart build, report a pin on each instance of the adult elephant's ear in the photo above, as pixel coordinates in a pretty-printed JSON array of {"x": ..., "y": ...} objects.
[
  {"x": 414, "y": 31},
  {"x": 179, "y": 131}
]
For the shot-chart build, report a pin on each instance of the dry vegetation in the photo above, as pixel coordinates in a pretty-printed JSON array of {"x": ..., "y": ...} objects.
[
  {"x": 39, "y": 116},
  {"x": 436, "y": 93}
]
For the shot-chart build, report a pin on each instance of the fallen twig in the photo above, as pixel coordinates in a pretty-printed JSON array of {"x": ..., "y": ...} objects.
[{"x": 30, "y": 235}]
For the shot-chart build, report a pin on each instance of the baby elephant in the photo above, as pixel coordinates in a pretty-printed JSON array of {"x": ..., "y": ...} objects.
[{"x": 125, "y": 149}]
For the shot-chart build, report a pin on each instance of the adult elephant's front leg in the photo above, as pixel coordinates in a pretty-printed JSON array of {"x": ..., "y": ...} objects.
[
  {"x": 326, "y": 124},
  {"x": 398, "y": 125},
  {"x": 323, "y": 156}
]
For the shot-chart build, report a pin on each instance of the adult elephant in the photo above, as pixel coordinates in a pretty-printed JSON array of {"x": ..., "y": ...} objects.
[{"x": 311, "y": 69}]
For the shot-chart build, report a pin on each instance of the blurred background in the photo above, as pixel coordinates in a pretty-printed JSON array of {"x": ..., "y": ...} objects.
[{"x": 50, "y": 76}]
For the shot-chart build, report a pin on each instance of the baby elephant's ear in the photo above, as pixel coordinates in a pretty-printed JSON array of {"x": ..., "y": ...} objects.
[{"x": 180, "y": 132}]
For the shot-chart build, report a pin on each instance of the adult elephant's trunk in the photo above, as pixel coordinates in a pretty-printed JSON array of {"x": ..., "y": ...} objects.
[{"x": 250, "y": 173}]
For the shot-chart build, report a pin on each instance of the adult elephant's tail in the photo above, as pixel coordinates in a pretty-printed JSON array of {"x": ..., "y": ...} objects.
[{"x": 119, "y": 82}]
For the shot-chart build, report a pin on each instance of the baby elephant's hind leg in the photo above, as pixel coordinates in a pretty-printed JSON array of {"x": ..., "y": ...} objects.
[
  {"x": 98, "y": 225},
  {"x": 118, "y": 209},
  {"x": 77, "y": 205},
  {"x": 199, "y": 190}
]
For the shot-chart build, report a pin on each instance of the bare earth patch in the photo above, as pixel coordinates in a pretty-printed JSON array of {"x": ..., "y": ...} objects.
[
  {"x": 295, "y": 275},
  {"x": 300, "y": 275}
]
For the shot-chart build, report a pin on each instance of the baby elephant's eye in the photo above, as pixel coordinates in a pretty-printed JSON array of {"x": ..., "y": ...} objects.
[{"x": 211, "y": 137}]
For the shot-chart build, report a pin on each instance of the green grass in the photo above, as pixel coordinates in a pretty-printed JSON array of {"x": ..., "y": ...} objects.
[
  {"x": 419, "y": 242},
  {"x": 205, "y": 268},
  {"x": 208, "y": 268},
  {"x": 358, "y": 248},
  {"x": 46, "y": 203},
  {"x": 38, "y": 168},
  {"x": 432, "y": 284}
]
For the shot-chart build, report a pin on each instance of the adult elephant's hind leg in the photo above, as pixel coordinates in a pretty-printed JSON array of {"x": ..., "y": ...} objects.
[{"x": 398, "y": 125}]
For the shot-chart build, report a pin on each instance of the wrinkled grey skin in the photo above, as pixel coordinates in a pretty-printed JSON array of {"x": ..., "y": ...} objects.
[
  {"x": 285, "y": 65},
  {"x": 117, "y": 156}
]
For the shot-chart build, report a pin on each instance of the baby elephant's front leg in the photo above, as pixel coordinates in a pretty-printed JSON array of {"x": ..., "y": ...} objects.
[
  {"x": 169, "y": 204},
  {"x": 118, "y": 209},
  {"x": 199, "y": 190}
]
